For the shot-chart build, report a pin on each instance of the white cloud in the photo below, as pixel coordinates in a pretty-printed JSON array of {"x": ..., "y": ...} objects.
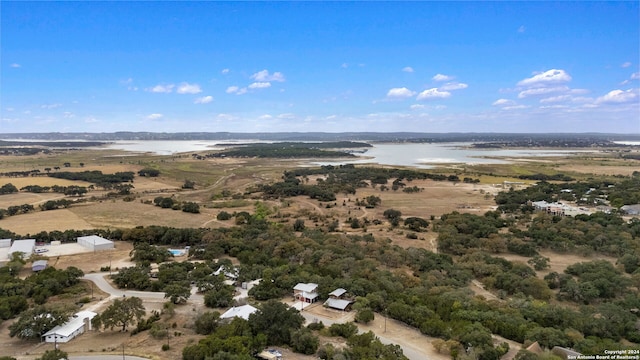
[
  {"x": 68, "y": 115},
  {"x": 161, "y": 88},
  {"x": 416, "y": 107},
  {"x": 626, "y": 64},
  {"x": 522, "y": 29},
  {"x": 154, "y": 116},
  {"x": 400, "y": 93},
  {"x": 441, "y": 77},
  {"x": 553, "y": 99},
  {"x": 515, "y": 107},
  {"x": 433, "y": 93},
  {"x": 186, "y": 88},
  {"x": 617, "y": 97},
  {"x": 286, "y": 116},
  {"x": 503, "y": 102},
  {"x": 264, "y": 76},
  {"x": 91, "y": 120},
  {"x": 50, "y": 106},
  {"x": 236, "y": 90},
  {"x": 265, "y": 117},
  {"x": 548, "y": 77},
  {"x": 542, "y": 91},
  {"x": 454, "y": 86},
  {"x": 344, "y": 65},
  {"x": 15, "y": 65},
  {"x": 204, "y": 100},
  {"x": 635, "y": 76},
  {"x": 260, "y": 85},
  {"x": 408, "y": 69},
  {"x": 225, "y": 71}
]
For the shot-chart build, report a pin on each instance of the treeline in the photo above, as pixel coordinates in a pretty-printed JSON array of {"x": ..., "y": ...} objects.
[
  {"x": 73, "y": 190},
  {"x": 345, "y": 179},
  {"x": 280, "y": 150},
  {"x": 38, "y": 287},
  {"x": 95, "y": 176},
  {"x": 433, "y": 296},
  {"x": 618, "y": 193}
]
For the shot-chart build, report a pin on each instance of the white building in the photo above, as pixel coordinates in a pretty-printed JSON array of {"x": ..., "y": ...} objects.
[
  {"x": 95, "y": 242},
  {"x": 26, "y": 247},
  {"x": 78, "y": 324},
  {"x": 306, "y": 292},
  {"x": 239, "y": 311},
  {"x": 5, "y": 243}
]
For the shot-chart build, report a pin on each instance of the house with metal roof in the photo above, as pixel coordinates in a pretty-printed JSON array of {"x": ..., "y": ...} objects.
[
  {"x": 239, "y": 311},
  {"x": 306, "y": 292},
  {"x": 77, "y": 325}
]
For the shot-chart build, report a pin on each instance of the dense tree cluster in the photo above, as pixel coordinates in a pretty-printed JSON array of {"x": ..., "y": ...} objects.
[
  {"x": 95, "y": 176},
  {"x": 8, "y": 188}
]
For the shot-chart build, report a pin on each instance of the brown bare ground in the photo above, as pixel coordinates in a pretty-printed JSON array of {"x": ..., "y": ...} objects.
[
  {"x": 120, "y": 214},
  {"x": 33, "y": 223},
  {"x": 602, "y": 170}
]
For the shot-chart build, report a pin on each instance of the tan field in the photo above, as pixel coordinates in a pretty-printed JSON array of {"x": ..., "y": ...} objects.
[{"x": 212, "y": 178}]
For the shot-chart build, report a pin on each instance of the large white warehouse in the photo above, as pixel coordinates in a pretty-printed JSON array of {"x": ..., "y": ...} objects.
[
  {"x": 26, "y": 247},
  {"x": 95, "y": 242}
]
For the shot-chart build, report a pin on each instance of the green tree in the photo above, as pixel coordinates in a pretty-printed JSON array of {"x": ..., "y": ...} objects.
[
  {"x": 191, "y": 207},
  {"x": 56, "y": 354},
  {"x": 121, "y": 313},
  {"x": 33, "y": 323},
  {"x": 364, "y": 316},
  {"x": 207, "y": 322},
  {"x": 298, "y": 225},
  {"x": 276, "y": 321},
  {"x": 177, "y": 292},
  {"x": 393, "y": 216},
  {"x": 303, "y": 341}
]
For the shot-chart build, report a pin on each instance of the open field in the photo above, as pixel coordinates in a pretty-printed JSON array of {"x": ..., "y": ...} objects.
[{"x": 220, "y": 184}]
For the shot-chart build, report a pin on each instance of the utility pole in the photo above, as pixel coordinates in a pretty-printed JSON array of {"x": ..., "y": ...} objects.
[{"x": 123, "y": 351}]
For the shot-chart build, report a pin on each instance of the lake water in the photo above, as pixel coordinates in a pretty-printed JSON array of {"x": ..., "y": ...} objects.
[{"x": 421, "y": 155}]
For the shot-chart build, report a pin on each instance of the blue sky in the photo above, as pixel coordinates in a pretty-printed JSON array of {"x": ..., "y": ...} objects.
[{"x": 320, "y": 66}]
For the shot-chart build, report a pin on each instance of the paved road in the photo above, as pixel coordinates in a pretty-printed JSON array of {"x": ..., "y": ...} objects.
[
  {"x": 103, "y": 284},
  {"x": 105, "y": 357},
  {"x": 410, "y": 350}
]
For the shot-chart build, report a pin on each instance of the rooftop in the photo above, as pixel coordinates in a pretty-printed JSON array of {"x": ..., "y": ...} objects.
[
  {"x": 73, "y": 324},
  {"x": 239, "y": 311}
]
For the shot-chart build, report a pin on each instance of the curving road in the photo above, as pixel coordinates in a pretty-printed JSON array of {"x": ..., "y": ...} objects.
[
  {"x": 99, "y": 280},
  {"x": 411, "y": 351}
]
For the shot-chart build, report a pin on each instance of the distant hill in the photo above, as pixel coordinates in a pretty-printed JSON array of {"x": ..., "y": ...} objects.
[{"x": 322, "y": 136}]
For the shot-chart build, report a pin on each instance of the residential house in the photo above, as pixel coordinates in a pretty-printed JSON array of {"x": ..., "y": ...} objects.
[
  {"x": 336, "y": 300},
  {"x": 238, "y": 311},
  {"x": 306, "y": 292}
]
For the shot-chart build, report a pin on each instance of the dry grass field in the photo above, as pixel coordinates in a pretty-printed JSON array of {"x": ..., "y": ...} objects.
[{"x": 234, "y": 176}]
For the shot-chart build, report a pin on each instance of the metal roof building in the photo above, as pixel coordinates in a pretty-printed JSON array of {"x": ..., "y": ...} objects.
[
  {"x": 239, "y": 311},
  {"x": 26, "y": 247},
  {"x": 95, "y": 242},
  {"x": 39, "y": 265},
  {"x": 77, "y": 325}
]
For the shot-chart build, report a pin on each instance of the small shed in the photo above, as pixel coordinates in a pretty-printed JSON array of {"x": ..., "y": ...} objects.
[
  {"x": 26, "y": 247},
  {"x": 39, "y": 265},
  {"x": 77, "y": 325},
  {"x": 338, "y": 304},
  {"x": 95, "y": 242}
]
